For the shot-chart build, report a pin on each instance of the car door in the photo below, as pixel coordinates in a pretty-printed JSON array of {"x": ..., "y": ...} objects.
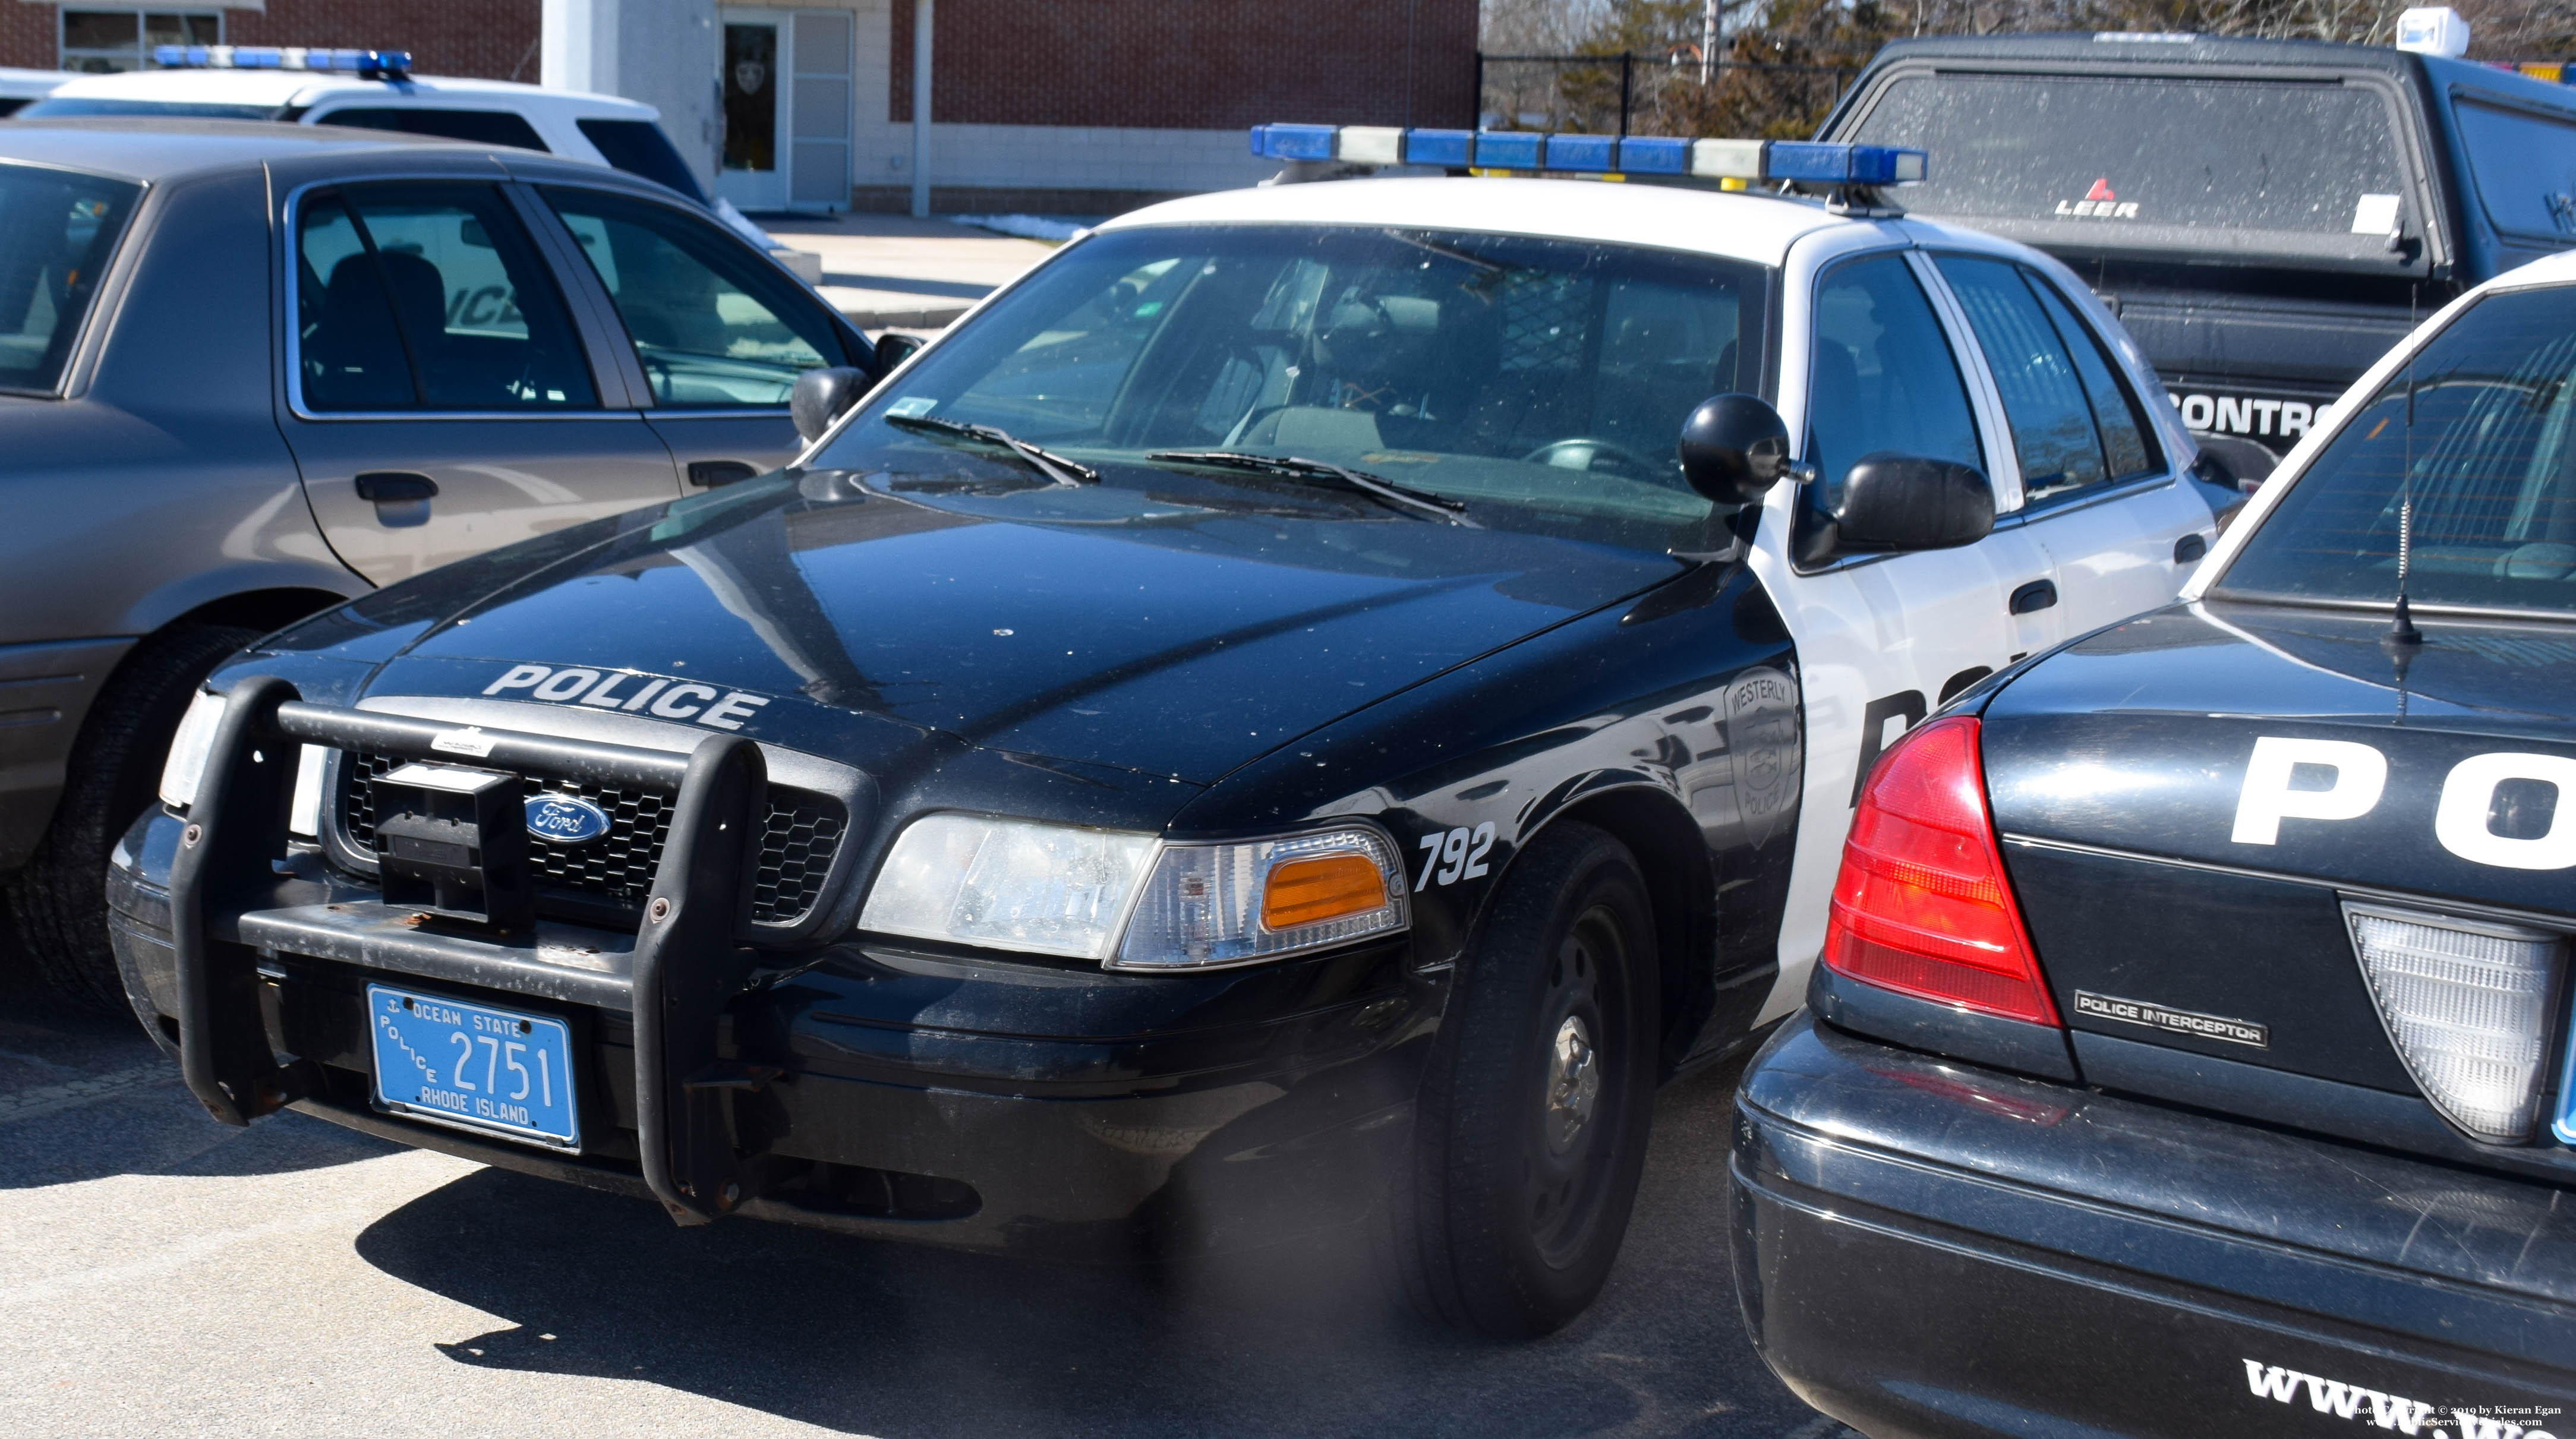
[
  {"x": 1883, "y": 639},
  {"x": 2098, "y": 494},
  {"x": 718, "y": 332},
  {"x": 441, "y": 399}
]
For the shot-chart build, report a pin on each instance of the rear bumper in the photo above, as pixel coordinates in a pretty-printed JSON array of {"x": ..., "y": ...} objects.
[
  {"x": 1927, "y": 1248},
  {"x": 968, "y": 1103}
]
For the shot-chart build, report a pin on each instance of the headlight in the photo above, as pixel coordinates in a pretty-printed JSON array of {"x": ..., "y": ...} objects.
[
  {"x": 1010, "y": 884},
  {"x": 194, "y": 744},
  {"x": 189, "y": 748},
  {"x": 1218, "y": 904},
  {"x": 1129, "y": 900}
]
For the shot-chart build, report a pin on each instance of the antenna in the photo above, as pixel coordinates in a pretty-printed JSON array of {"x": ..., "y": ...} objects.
[{"x": 2403, "y": 639}]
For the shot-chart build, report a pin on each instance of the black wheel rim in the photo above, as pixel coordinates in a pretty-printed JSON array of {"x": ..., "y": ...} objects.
[{"x": 1568, "y": 1148}]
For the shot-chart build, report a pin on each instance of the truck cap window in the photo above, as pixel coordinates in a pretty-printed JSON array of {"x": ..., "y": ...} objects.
[
  {"x": 1543, "y": 381},
  {"x": 57, "y": 230},
  {"x": 2492, "y": 454},
  {"x": 2143, "y": 162}
]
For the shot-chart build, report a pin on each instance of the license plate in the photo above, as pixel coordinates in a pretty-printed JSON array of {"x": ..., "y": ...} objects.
[{"x": 475, "y": 1066}]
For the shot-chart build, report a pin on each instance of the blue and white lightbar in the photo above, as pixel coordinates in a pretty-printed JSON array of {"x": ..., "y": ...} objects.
[
  {"x": 1746, "y": 160},
  {"x": 281, "y": 57}
]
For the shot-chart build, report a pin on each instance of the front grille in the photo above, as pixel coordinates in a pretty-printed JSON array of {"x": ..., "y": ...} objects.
[{"x": 799, "y": 835}]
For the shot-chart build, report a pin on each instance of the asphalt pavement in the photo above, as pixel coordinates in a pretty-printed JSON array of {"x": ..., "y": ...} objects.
[{"x": 163, "y": 1274}]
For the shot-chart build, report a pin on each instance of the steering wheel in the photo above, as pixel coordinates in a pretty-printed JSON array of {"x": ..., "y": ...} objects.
[{"x": 1625, "y": 461}]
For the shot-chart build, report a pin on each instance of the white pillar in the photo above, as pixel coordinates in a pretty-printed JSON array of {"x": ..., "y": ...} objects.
[
  {"x": 920, "y": 107},
  {"x": 666, "y": 53}
]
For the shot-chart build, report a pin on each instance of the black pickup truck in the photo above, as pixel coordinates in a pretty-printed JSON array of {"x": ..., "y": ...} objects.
[{"x": 2266, "y": 216}]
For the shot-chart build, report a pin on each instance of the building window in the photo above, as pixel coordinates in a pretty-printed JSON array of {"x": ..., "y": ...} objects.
[{"x": 96, "y": 42}]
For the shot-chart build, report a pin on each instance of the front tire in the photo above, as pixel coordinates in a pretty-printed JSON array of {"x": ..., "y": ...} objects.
[
  {"x": 59, "y": 900},
  {"x": 1534, "y": 1114}
]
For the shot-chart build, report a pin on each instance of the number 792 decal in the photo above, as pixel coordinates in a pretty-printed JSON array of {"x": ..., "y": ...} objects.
[{"x": 1454, "y": 855}]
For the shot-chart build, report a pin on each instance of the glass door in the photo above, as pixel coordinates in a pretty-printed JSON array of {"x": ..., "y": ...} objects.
[{"x": 754, "y": 175}]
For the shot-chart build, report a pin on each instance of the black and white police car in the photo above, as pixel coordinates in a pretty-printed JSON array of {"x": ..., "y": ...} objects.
[
  {"x": 1251, "y": 729},
  {"x": 2191, "y": 1052}
]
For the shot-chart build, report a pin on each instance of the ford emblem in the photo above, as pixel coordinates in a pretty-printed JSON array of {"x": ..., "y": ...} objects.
[{"x": 565, "y": 819}]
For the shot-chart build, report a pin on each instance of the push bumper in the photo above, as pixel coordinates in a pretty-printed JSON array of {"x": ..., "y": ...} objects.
[
  {"x": 941, "y": 1097},
  {"x": 1927, "y": 1248}
]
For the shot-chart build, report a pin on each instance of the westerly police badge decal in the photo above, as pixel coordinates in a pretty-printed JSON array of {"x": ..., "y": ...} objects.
[{"x": 1763, "y": 733}]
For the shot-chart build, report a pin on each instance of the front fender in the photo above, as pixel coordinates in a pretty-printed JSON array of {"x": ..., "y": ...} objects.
[{"x": 1692, "y": 707}]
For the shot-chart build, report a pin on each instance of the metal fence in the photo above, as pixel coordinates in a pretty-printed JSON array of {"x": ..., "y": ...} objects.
[{"x": 1677, "y": 94}]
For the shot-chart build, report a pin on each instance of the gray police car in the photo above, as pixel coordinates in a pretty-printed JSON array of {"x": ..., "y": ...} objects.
[{"x": 248, "y": 372}]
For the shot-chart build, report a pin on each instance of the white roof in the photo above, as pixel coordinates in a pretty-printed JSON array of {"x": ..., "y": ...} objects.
[
  {"x": 26, "y": 84},
  {"x": 1754, "y": 227},
  {"x": 308, "y": 88},
  {"x": 2558, "y": 269}
]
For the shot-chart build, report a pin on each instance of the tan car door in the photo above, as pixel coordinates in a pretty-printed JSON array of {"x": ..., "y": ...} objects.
[{"x": 441, "y": 400}]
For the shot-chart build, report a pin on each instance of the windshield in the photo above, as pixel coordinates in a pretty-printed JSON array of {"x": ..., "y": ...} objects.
[
  {"x": 57, "y": 230},
  {"x": 2296, "y": 168},
  {"x": 57, "y": 106},
  {"x": 1543, "y": 382},
  {"x": 2488, "y": 460}
]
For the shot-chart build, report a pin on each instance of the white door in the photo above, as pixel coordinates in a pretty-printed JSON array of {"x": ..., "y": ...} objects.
[
  {"x": 2096, "y": 495},
  {"x": 818, "y": 93},
  {"x": 1882, "y": 639},
  {"x": 787, "y": 109},
  {"x": 754, "y": 173}
]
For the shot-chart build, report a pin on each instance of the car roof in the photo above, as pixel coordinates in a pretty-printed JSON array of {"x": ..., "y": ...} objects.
[
  {"x": 304, "y": 87},
  {"x": 2127, "y": 48},
  {"x": 153, "y": 149},
  {"x": 1760, "y": 228},
  {"x": 2557, "y": 269},
  {"x": 15, "y": 82}
]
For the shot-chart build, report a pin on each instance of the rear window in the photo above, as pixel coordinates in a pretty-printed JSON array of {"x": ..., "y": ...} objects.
[
  {"x": 475, "y": 127},
  {"x": 2524, "y": 162},
  {"x": 55, "y": 107},
  {"x": 639, "y": 147},
  {"x": 57, "y": 231},
  {"x": 2136, "y": 161},
  {"x": 2485, "y": 456}
]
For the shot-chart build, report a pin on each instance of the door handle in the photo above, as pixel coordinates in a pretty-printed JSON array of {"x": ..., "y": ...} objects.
[
  {"x": 2033, "y": 597},
  {"x": 707, "y": 474},
  {"x": 2189, "y": 548},
  {"x": 401, "y": 498}
]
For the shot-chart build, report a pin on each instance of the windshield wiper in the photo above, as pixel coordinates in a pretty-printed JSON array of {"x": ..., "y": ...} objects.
[
  {"x": 1055, "y": 467},
  {"x": 1387, "y": 492}
]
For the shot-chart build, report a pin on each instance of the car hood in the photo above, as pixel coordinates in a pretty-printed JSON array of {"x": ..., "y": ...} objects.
[
  {"x": 2141, "y": 738},
  {"x": 1101, "y": 625}
]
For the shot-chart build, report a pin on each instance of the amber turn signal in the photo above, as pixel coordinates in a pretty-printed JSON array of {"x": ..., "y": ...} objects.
[{"x": 1328, "y": 886}]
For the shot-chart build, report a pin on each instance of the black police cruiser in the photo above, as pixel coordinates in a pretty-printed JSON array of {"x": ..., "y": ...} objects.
[
  {"x": 1257, "y": 710},
  {"x": 2266, "y": 216},
  {"x": 2191, "y": 1050}
]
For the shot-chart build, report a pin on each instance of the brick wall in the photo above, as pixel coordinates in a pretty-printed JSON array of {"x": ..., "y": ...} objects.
[
  {"x": 27, "y": 35},
  {"x": 1191, "y": 64},
  {"x": 486, "y": 39}
]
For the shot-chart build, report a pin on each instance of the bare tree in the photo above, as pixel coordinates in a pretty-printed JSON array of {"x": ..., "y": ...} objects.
[{"x": 1784, "y": 61}]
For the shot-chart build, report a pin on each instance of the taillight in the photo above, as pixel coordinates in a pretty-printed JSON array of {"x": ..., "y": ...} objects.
[{"x": 1921, "y": 906}]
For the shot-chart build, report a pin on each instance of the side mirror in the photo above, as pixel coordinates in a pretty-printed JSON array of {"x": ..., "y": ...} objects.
[
  {"x": 822, "y": 396},
  {"x": 894, "y": 349},
  {"x": 1734, "y": 449},
  {"x": 1905, "y": 502}
]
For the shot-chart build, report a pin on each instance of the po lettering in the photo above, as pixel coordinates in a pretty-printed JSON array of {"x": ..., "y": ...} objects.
[{"x": 2356, "y": 775}]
